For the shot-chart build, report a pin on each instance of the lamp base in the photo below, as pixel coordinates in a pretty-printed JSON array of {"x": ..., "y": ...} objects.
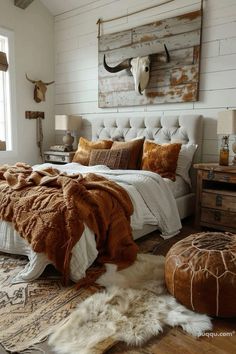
[
  {"x": 224, "y": 151},
  {"x": 68, "y": 140}
]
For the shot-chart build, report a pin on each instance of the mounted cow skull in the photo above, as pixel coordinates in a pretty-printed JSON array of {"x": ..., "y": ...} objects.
[
  {"x": 39, "y": 89},
  {"x": 139, "y": 67}
]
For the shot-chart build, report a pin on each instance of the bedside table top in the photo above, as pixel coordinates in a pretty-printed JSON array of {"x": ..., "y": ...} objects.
[{"x": 215, "y": 167}]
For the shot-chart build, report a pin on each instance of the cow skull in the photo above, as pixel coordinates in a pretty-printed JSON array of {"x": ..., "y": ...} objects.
[
  {"x": 39, "y": 89},
  {"x": 139, "y": 67}
]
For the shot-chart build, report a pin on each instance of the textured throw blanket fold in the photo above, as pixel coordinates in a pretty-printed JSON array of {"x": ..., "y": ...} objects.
[{"x": 49, "y": 209}]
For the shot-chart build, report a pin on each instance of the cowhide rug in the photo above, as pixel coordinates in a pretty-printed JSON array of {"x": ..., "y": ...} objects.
[{"x": 133, "y": 308}]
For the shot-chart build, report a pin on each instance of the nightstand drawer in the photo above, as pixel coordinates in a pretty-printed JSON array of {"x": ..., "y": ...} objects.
[
  {"x": 222, "y": 200},
  {"x": 212, "y": 175},
  {"x": 58, "y": 157},
  {"x": 54, "y": 158},
  {"x": 219, "y": 218}
]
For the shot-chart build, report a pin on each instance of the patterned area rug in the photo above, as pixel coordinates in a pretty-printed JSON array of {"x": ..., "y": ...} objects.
[{"x": 29, "y": 310}]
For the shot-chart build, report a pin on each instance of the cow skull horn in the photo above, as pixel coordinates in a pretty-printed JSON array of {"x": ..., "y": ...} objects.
[
  {"x": 167, "y": 54},
  {"x": 48, "y": 83},
  {"x": 33, "y": 81},
  {"x": 125, "y": 64}
]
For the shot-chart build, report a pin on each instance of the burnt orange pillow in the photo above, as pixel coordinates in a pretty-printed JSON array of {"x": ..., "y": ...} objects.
[
  {"x": 135, "y": 147},
  {"x": 161, "y": 159},
  {"x": 85, "y": 147}
]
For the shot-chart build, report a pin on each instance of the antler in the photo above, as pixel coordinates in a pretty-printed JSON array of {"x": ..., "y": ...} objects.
[{"x": 33, "y": 81}]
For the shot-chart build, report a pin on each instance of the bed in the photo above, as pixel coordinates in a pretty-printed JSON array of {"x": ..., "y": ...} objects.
[{"x": 158, "y": 203}]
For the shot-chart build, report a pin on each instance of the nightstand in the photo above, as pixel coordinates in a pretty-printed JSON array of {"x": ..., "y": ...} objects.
[
  {"x": 216, "y": 196},
  {"x": 58, "y": 156}
]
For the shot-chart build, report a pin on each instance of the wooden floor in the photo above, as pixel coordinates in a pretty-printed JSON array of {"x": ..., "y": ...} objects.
[
  {"x": 222, "y": 340},
  {"x": 175, "y": 341}
]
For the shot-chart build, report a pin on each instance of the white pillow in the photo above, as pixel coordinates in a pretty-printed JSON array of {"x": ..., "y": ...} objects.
[{"x": 185, "y": 161}]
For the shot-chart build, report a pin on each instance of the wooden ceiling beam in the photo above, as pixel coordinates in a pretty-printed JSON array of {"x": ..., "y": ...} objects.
[{"x": 23, "y": 4}]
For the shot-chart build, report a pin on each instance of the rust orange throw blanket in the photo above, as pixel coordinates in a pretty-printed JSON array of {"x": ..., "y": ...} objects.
[{"x": 49, "y": 210}]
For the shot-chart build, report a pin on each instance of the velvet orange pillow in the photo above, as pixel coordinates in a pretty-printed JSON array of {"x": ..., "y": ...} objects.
[
  {"x": 85, "y": 147},
  {"x": 161, "y": 159},
  {"x": 135, "y": 148}
]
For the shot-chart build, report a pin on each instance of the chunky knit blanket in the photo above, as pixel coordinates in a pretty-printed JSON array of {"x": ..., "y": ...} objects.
[{"x": 49, "y": 209}]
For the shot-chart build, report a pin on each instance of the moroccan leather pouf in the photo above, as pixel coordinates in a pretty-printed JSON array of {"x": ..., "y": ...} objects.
[{"x": 200, "y": 272}]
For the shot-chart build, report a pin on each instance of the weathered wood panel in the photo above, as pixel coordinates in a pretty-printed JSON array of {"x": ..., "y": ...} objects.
[
  {"x": 176, "y": 81},
  {"x": 165, "y": 94}
]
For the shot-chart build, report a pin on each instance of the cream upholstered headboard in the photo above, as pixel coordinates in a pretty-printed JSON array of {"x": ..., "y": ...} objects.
[{"x": 162, "y": 129}]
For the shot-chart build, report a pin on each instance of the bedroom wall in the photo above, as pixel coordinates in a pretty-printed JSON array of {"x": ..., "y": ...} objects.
[
  {"x": 34, "y": 53},
  {"x": 76, "y": 61}
]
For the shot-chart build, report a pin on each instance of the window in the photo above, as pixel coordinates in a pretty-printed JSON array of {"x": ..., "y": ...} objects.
[{"x": 7, "y": 143}]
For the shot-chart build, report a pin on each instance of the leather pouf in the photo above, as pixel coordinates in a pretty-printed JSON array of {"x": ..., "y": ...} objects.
[{"x": 200, "y": 272}]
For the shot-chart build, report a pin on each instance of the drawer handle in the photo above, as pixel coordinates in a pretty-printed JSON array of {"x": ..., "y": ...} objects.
[
  {"x": 217, "y": 215},
  {"x": 211, "y": 174},
  {"x": 226, "y": 178},
  {"x": 63, "y": 158},
  {"x": 219, "y": 199}
]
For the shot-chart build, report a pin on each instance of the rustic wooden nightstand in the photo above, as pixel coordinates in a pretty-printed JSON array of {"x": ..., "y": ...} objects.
[
  {"x": 216, "y": 196},
  {"x": 58, "y": 156}
]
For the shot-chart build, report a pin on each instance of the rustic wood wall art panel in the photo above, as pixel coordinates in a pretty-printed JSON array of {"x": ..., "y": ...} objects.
[{"x": 176, "y": 80}]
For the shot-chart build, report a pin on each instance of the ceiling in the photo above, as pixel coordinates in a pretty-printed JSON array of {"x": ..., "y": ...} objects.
[{"x": 57, "y": 7}]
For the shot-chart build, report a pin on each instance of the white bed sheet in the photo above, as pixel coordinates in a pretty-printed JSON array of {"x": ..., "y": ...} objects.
[
  {"x": 178, "y": 187},
  {"x": 84, "y": 253}
]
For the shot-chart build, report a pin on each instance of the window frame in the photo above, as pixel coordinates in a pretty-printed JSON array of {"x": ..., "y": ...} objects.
[{"x": 12, "y": 124}]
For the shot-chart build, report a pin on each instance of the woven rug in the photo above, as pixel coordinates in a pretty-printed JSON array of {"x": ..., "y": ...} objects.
[{"x": 29, "y": 310}]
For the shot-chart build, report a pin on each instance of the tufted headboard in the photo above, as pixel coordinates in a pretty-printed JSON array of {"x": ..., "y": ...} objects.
[{"x": 162, "y": 129}]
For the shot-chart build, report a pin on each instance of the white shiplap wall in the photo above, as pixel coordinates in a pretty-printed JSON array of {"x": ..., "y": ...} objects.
[{"x": 77, "y": 52}]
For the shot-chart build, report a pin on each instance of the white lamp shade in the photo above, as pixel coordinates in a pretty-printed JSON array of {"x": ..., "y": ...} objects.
[
  {"x": 75, "y": 123},
  {"x": 65, "y": 122},
  {"x": 226, "y": 123}
]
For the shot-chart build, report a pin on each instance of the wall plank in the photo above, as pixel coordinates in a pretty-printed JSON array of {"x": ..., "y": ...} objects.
[{"x": 228, "y": 46}]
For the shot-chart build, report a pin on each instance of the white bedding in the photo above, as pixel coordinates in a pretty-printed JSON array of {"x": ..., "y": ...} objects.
[
  {"x": 153, "y": 201},
  {"x": 178, "y": 187}
]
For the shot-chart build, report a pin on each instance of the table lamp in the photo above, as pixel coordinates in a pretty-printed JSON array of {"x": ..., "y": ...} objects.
[
  {"x": 226, "y": 125},
  {"x": 68, "y": 123}
]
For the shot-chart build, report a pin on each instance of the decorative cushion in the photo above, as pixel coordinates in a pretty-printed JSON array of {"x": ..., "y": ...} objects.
[
  {"x": 114, "y": 159},
  {"x": 185, "y": 161},
  {"x": 135, "y": 147},
  {"x": 200, "y": 271},
  {"x": 161, "y": 159},
  {"x": 85, "y": 147}
]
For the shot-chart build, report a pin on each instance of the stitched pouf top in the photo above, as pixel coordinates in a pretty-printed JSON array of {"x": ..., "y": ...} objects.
[{"x": 200, "y": 271}]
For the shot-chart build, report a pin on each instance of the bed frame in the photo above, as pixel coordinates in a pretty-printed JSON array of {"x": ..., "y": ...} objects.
[{"x": 161, "y": 129}]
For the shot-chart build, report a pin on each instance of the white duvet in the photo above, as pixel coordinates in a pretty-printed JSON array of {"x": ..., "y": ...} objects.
[{"x": 153, "y": 202}]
